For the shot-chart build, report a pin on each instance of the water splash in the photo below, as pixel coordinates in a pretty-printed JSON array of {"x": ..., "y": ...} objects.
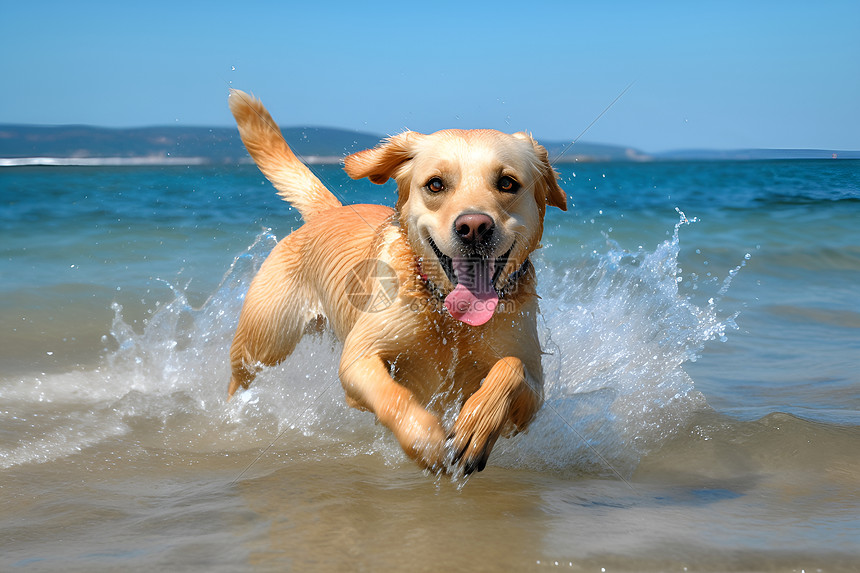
[
  {"x": 618, "y": 332},
  {"x": 615, "y": 327}
]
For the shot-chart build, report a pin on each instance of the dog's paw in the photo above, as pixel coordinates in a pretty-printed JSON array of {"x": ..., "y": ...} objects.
[
  {"x": 465, "y": 456},
  {"x": 429, "y": 454},
  {"x": 475, "y": 433},
  {"x": 422, "y": 438}
]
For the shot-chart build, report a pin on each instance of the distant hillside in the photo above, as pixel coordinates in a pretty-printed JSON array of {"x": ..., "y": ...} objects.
[
  {"x": 565, "y": 152},
  {"x": 79, "y": 144},
  {"x": 211, "y": 145},
  {"x": 220, "y": 145}
]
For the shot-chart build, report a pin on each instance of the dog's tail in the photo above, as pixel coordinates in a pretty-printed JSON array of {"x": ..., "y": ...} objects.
[{"x": 262, "y": 137}]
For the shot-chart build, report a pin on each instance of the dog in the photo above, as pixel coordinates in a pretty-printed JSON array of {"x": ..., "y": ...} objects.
[{"x": 433, "y": 300}]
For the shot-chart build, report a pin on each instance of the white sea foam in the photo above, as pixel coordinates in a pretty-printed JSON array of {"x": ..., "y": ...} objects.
[
  {"x": 148, "y": 160},
  {"x": 101, "y": 161}
]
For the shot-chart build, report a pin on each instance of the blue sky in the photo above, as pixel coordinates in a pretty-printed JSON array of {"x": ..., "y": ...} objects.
[{"x": 705, "y": 74}]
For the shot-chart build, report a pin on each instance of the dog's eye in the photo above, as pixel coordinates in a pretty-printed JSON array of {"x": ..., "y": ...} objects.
[
  {"x": 507, "y": 184},
  {"x": 435, "y": 185}
]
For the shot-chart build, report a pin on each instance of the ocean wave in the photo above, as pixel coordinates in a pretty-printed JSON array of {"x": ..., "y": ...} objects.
[
  {"x": 716, "y": 448},
  {"x": 811, "y": 198}
]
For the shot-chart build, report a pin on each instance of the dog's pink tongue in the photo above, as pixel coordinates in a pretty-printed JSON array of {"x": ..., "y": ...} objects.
[{"x": 474, "y": 299}]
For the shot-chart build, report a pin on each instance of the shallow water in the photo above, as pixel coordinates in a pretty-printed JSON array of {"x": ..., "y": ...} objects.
[{"x": 703, "y": 408}]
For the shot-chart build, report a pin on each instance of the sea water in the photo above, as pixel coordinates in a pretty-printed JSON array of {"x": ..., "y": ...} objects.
[{"x": 701, "y": 326}]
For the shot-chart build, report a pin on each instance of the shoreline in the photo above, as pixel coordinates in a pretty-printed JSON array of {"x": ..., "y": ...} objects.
[{"x": 143, "y": 161}]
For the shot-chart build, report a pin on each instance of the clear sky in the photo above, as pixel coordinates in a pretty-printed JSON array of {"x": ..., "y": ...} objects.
[{"x": 779, "y": 74}]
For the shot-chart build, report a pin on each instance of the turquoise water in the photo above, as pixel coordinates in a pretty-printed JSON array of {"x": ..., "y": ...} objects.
[{"x": 702, "y": 329}]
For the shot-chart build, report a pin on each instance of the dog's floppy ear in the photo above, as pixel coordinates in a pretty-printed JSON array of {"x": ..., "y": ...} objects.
[
  {"x": 381, "y": 163},
  {"x": 555, "y": 195}
]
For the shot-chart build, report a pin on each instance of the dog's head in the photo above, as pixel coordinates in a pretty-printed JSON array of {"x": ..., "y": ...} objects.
[{"x": 472, "y": 204}]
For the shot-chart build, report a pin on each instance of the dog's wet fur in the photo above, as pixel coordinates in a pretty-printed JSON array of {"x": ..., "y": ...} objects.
[{"x": 457, "y": 332}]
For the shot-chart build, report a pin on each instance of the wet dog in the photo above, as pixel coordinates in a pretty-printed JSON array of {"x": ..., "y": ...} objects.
[{"x": 434, "y": 300}]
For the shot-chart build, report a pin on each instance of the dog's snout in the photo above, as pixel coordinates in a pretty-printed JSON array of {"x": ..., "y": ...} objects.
[{"x": 474, "y": 228}]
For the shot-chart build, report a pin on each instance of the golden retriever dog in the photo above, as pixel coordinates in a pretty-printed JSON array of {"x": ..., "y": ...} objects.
[{"x": 434, "y": 300}]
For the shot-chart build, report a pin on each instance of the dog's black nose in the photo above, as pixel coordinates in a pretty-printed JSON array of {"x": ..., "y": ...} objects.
[{"x": 474, "y": 228}]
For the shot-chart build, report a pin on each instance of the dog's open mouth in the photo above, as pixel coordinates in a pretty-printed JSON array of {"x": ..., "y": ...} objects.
[{"x": 474, "y": 298}]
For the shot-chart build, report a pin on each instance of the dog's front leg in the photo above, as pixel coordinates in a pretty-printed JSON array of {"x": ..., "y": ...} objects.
[
  {"x": 368, "y": 385},
  {"x": 507, "y": 397}
]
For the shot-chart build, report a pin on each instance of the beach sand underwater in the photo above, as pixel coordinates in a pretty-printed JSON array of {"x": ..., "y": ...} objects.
[{"x": 701, "y": 323}]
